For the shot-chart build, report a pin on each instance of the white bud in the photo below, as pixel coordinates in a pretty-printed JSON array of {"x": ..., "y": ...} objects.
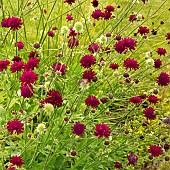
[
  {"x": 78, "y": 27},
  {"x": 64, "y": 30},
  {"x": 41, "y": 128}
]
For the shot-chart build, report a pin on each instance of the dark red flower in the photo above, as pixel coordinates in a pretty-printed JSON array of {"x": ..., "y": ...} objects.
[
  {"x": 106, "y": 15},
  {"x": 27, "y": 90},
  {"x": 132, "y": 17},
  {"x": 155, "y": 150},
  {"x": 102, "y": 130},
  {"x": 15, "y": 126},
  {"x": 92, "y": 101},
  {"x": 69, "y": 1},
  {"x": 32, "y": 63},
  {"x": 59, "y": 67},
  {"x": 123, "y": 45},
  {"x": 168, "y": 36},
  {"x": 16, "y": 59},
  {"x": 150, "y": 113},
  {"x": 110, "y": 8},
  {"x": 97, "y": 14},
  {"x": 93, "y": 48},
  {"x": 153, "y": 99},
  {"x": 114, "y": 66},
  {"x": 4, "y": 64},
  {"x": 4, "y": 22},
  {"x": 143, "y": 30},
  {"x": 163, "y": 79},
  {"x": 118, "y": 165},
  {"x": 17, "y": 160},
  {"x": 87, "y": 61},
  {"x": 53, "y": 97},
  {"x": 73, "y": 33},
  {"x": 17, "y": 66},
  {"x": 20, "y": 45},
  {"x": 132, "y": 158},
  {"x": 51, "y": 34},
  {"x": 14, "y": 23},
  {"x": 89, "y": 75},
  {"x": 131, "y": 63},
  {"x": 11, "y": 168},
  {"x": 73, "y": 42},
  {"x": 54, "y": 28},
  {"x": 79, "y": 128},
  {"x": 29, "y": 77},
  {"x": 135, "y": 100},
  {"x": 144, "y": 1},
  {"x": 69, "y": 17},
  {"x": 33, "y": 54},
  {"x": 161, "y": 51},
  {"x": 157, "y": 63},
  {"x": 95, "y": 3}
]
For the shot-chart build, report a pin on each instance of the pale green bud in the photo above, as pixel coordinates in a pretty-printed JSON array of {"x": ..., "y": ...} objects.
[
  {"x": 64, "y": 30},
  {"x": 48, "y": 107},
  {"x": 78, "y": 27},
  {"x": 41, "y": 128}
]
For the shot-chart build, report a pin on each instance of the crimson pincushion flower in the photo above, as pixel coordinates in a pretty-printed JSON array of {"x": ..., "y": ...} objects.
[
  {"x": 109, "y": 8},
  {"x": 123, "y": 45},
  {"x": 16, "y": 59},
  {"x": 95, "y": 3},
  {"x": 132, "y": 158},
  {"x": 135, "y": 100},
  {"x": 93, "y": 48},
  {"x": 118, "y": 165},
  {"x": 132, "y": 17},
  {"x": 33, "y": 54},
  {"x": 92, "y": 101},
  {"x": 11, "y": 168},
  {"x": 131, "y": 63},
  {"x": 106, "y": 15},
  {"x": 20, "y": 45},
  {"x": 4, "y": 64},
  {"x": 17, "y": 160},
  {"x": 102, "y": 130},
  {"x": 15, "y": 126},
  {"x": 155, "y": 150},
  {"x": 69, "y": 1},
  {"x": 17, "y": 66},
  {"x": 143, "y": 30},
  {"x": 157, "y": 63},
  {"x": 153, "y": 99},
  {"x": 27, "y": 90},
  {"x": 114, "y": 66},
  {"x": 161, "y": 51},
  {"x": 69, "y": 17},
  {"x": 163, "y": 79},
  {"x": 51, "y": 34},
  {"x": 32, "y": 63},
  {"x": 59, "y": 67},
  {"x": 79, "y": 128},
  {"x": 87, "y": 61},
  {"x": 168, "y": 36},
  {"x": 150, "y": 113},
  {"x": 97, "y": 14},
  {"x": 53, "y": 97},
  {"x": 89, "y": 75},
  {"x": 13, "y": 23},
  {"x": 73, "y": 42},
  {"x": 29, "y": 77}
]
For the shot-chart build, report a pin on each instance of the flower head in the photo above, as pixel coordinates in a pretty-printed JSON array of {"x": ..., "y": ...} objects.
[
  {"x": 27, "y": 90},
  {"x": 32, "y": 63},
  {"x": 153, "y": 99},
  {"x": 87, "y": 61},
  {"x": 41, "y": 128},
  {"x": 163, "y": 79},
  {"x": 17, "y": 66},
  {"x": 110, "y": 8},
  {"x": 97, "y": 14},
  {"x": 78, "y": 27},
  {"x": 131, "y": 63},
  {"x": 48, "y": 107},
  {"x": 114, "y": 66},
  {"x": 132, "y": 158},
  {"x": 143, "y": 30},
  {"x": 92, "y": 101},
  {"x": 73, "y": 42},
  {"x": 135, "y": 100},
  {"x": 155, "y": 150},
  {"x": 20, "y": 45},
  {"x": 161, "y": 51},
  {"x": 133, "y": 17},
  {"x": 89, "y": 75},
  {"x": 118, "y": 165},
  {"x": 79, "y": 128},
  {"x": 69, "y": 17},
  {"x": 93, "y": 48},
  {"x": 53, "y": 97},
  {"x": 4, "y": 64},
  {"x": 157, "y": 63},
  {"x": 29, "y": 77},
  {"x": 95, "y": 3},
  {"x": 59, "y": 67},
  {"x": 102, "y": 130},
  {"x": 17, "y": 160},
  {"x": 150, "y": 113},
  {"x": 15, "y": 126},
  {"x": 70, "y": 2},
  {"x": 51, "y": 34}
]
